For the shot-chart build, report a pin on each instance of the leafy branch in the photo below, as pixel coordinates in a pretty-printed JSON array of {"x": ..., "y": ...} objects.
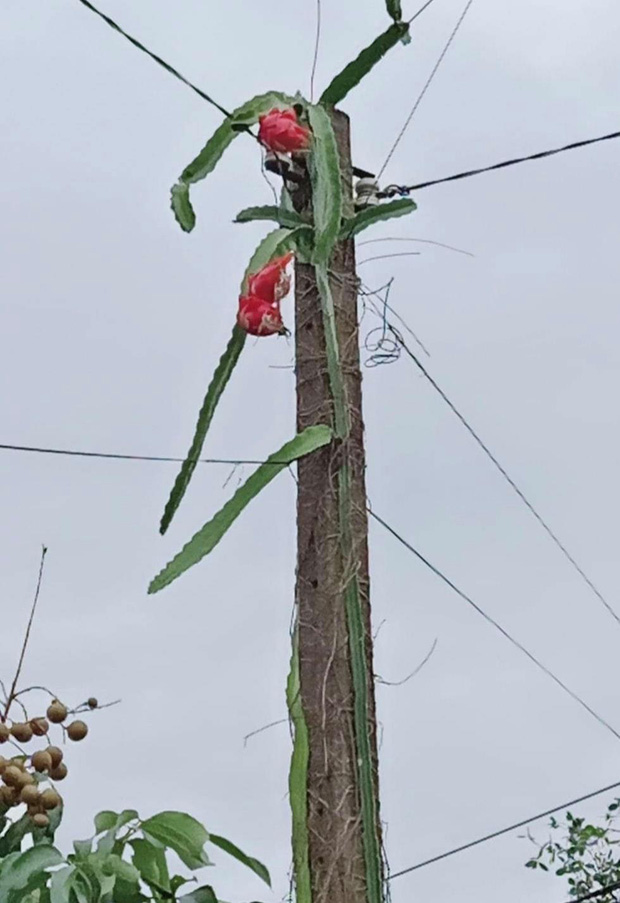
[{"x": 124, "y": 861}]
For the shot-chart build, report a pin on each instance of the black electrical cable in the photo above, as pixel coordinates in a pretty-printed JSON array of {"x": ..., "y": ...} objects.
[
  {"x": 506, "y": 830},
  {"x": 591, "y": 585},
  {"x": 393, "y": 190},
  {"x": 495, "y": 624},
  {"x": 156, "y": 58}
]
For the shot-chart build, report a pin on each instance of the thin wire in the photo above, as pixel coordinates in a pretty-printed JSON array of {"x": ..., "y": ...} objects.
[
  {"x": 419, "y": 12},
  {"x": 495, "y": 624},
  {"x": 506, "y": 830},
  {"x": 426, "y": 241},
  {"x": 154, "y": 56},
  {"x": 366, "y": 291},
  {"x": 114, "y": 456},
  {"x": 425, "y": 88},
  {"x": 317, "y": 44},
  {"x": 382, "y": 350},
  {"x": 386, "y": 256},
  {"x": 543, "y": 523},
  {"x": 392, "y": 190}
]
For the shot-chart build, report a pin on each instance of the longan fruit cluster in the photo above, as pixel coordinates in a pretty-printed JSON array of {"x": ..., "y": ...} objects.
[{"x": 21, "y": 776}]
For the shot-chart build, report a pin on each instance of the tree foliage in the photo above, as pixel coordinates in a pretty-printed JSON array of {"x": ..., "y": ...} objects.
[
  {"x": 586, "y": 854},
  {"x": 125, "y": 861}
]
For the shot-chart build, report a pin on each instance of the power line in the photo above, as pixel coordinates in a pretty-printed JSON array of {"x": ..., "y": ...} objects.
[
  {"x": 505, "y": 474},
  {"x": 154, "y": 56},
  {"x": 506, "y": 830},
  {"x": 427, "y": 85},
  {"x": 230, "y": 461},
  {"x": 495, "y": 624},
  {"x": 393, "y": 190},
  {"x": 115, "y": 456}
]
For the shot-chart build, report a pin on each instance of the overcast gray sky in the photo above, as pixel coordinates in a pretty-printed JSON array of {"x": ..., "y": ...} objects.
[{"x": 112, "y": 323}]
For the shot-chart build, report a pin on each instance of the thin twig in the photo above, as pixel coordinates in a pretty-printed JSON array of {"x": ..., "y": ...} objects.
[
  {"x": 84, "y": 707},
  {"x": 34, "y": 687},
  {"x": 426, "y": 241},
  {"x": 399, "y": 683},
  {"x": 317, "y": 43},
  {"x": 27, "y": 636},
  {"x": 385, "y": 256},
  {"x": 264, "y": 728}
]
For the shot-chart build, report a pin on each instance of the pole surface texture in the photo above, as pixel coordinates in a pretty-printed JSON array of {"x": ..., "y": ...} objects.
[{"x": 335, "y": 833}]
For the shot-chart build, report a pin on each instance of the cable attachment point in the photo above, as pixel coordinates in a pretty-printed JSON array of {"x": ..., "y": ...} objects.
[
  {"x": 282, "y": 165},
  {"x": 392, "y": 191},
  {"x": 366, "y": 193}
]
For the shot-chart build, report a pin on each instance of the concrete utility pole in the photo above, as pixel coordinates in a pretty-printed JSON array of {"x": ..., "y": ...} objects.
[{"x": 335, "y": 827}]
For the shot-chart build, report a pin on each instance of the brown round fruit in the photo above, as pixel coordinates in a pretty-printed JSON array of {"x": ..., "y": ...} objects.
[
  {"x": 9, "y": 796},
  {"x": 42, "y": 760},
  {"x": 57, "y": 712},
  {"x": 40, "y": 820},
  {"x": 25, "y": 779},
  {"x": 12, "y": 776},
  {"x": 4, "y": 733},
  {"x": 92, "y": 703},
  {"x": 77, "y": 730},
  {"x": 29, "y": 795},
  {"x": 60, "y": 773},
  {"x": 56, "y": 755},
  {"x": 22, "y": 732},
  {"x": 50, "y": 799},
  {"x": 3, "y": 764},
  {"x": 40, "y": 726}
]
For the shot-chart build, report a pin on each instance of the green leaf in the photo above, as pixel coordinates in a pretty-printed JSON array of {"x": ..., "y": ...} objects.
[
  {"x": 286, "y": 218},
  {"x": 326, "y": 184},
  {"x": 127, "y": 883},
  {"x": 92, "y": 884},
  {"x": 181, "y": 206},
  {"x": 204, "y": 894},
  {"x": 276, "y": 243},
  {"x": 82, "y": 890},
  {"x": 371, "y": 215},
  {"x": 113, "y": 821},
  {"x": 177, "y": 882},
  {"x": 83, "y": 847},
  {"x": 208, "y": 537},
  {"x": 150, "y": 860},
  {"x": 341, "y": 415},
  {"x": 181, "y": 833},
  {"x": 394, "y": 9},
  {"x": 11, "y": 841},
  {"x": 17, "y": 869},
  {"x": 35, "y": 890},
  {"x": 106, "y": 843},
  {"x": 212, "y": 152},
  {"x": 352, "y": 74},
  {"x": 298, "y": 780},
  {"x": 257, "y": 867},
  {"x": 60, "y": 885},
  {"x": 105, "y": 821},
  {"x": 218, "y": 383}
]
